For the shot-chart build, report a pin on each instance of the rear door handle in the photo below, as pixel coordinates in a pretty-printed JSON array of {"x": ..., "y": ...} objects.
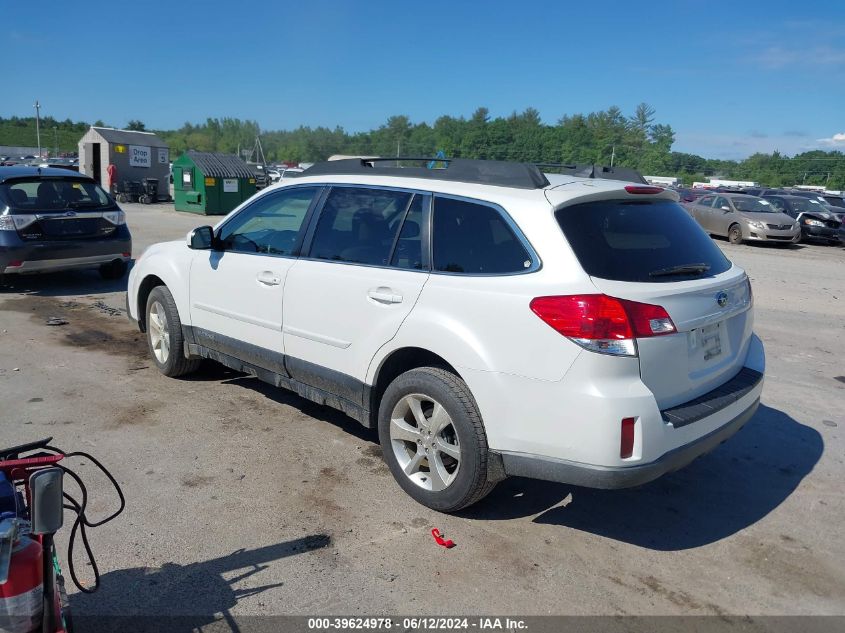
[
  {"x": 384, "y": 295},
  {"x": 269, "y": 278}
]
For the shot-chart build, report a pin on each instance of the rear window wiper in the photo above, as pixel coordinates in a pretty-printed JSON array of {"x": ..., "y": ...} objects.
[{"x": 683, "y": 269}]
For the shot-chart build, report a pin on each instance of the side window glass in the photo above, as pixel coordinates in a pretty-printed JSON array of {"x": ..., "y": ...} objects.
[
  {"x": 358, "y": 225},
  {"x": 270, "y": 225},
  {"x": 474, "y": 238},
  {"x": 408, "y": 252},
  {"x": 706, "y": 201},
  {"x": 721, "y": 202}
]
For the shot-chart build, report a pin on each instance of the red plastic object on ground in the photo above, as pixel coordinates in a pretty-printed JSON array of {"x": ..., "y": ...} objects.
[{"x": 438, "y": 537}]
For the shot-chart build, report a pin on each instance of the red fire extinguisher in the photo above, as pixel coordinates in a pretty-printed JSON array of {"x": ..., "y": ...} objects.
[{"x": 21, "y": 580}]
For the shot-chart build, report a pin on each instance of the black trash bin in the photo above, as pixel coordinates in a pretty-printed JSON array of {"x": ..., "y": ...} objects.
[{"x": 150, "y": 190}]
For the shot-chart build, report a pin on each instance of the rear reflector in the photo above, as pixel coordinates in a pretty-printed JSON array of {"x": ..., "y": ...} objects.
[
  {"x": 603, "y": 324},
  {"x": 126, "y": 254},
  {"x": 643, "y": 189},
  {"x": 626, "y": 446},
  {"x": 15, "y": 263}
]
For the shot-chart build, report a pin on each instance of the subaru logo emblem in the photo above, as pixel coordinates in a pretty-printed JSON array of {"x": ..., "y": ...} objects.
[{"x": 722, "y": 299}]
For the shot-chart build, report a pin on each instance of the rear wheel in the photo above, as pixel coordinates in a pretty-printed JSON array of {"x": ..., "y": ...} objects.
[
  {"x": 735, "y": 234},
  {"x": 113, "y": 270},
  {"x": 433, "y": 439},
  {"x": 164, "y": 335}
]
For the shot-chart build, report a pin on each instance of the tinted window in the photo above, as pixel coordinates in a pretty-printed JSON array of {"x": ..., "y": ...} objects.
[
  {"x": 706, "y": 201},
  {"x": 408, "y": 252},
  {"x": 777, "y": 203},
  {"x": 753, "y": 205},
  {"x": 627, "y": 240},
  {"x": 53, "y": 194},
  {"x": 474, "y": 238},
  {"x": 358, "y": 225},
  {"x": 269, "y": 225}
]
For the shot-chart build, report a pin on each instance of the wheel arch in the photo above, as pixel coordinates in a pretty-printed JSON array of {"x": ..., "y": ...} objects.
[
  {"x": 395, "y": 363},
  {"x": 144, "y": 289}
]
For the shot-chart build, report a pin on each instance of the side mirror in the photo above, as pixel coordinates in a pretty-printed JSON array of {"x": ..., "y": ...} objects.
[
  {"x": 47, "y": 500},
  {"x": 726, "y": 208},
  {"x": 201, "y": 238}
]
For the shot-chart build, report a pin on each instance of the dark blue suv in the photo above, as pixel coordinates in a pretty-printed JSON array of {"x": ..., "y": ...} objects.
[{"x": 57, "y": 219}]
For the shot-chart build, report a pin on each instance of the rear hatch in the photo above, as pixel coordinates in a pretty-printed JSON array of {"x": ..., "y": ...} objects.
[
  {"x": 648, "y": 249},
  {"x": 59, "y": 208}
]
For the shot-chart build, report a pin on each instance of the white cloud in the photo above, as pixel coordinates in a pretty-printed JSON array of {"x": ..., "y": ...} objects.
[
  {"x": 777, "y": 57},
  {"x": 836, "y": 139}
]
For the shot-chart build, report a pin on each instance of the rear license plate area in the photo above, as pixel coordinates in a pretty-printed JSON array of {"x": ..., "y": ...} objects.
[{"x": 709, "y": 340}]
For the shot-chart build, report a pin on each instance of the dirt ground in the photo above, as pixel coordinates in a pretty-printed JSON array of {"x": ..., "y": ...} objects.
[{"x": 248, "y": 500}]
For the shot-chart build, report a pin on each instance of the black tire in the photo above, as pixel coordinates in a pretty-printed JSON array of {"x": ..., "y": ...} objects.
[
  {"x": 471, "y": 480},
  {"x": 174, "y": 363},
  {"x": 121, "y": 198},
  {"x": 114, "y": 270},
  {"x": 735, "y": 234}
]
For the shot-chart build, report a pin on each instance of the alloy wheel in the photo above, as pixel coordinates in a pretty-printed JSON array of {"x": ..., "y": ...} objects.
[{"x": 425, "y": 442}]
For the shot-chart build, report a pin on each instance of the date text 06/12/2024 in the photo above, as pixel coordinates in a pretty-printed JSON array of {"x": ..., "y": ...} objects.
[{"x": 417, "y": 623}]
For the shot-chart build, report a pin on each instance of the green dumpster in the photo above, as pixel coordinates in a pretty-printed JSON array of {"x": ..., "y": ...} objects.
[{"x": 211, "y": 183}]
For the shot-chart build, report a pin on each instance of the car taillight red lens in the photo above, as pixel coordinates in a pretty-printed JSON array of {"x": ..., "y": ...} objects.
[
  {"x": 601, "y": 323},
  {"x": 626, "y": 445},
  {"x": 584, "y": 316},
  {"x": 643, "y": 189}
]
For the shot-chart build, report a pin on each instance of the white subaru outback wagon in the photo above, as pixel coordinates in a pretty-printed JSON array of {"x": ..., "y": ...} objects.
[{"x": 486, "y": 321}]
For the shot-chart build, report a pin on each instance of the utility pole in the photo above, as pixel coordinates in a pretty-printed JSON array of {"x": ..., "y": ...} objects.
[
  {"x": 37, "y": 107},
  {"x": 612, "y": 155}
]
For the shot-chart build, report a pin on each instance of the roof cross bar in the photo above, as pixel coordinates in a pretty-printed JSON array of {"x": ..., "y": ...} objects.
[{"x": 486, "y": 172}]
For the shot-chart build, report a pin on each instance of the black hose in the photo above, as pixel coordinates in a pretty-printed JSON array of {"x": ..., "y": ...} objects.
[{"x": 81, "y": 521}]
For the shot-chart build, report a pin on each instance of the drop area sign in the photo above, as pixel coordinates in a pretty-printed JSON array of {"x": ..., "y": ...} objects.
[{"x": 139, "y": 156}]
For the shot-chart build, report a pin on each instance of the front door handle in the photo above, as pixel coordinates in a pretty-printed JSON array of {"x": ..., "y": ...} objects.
[
  {"x": 269, "y": 278},
  {"x": 384, "y": 295}
]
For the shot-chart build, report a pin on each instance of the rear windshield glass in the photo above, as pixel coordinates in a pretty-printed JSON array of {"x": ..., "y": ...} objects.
[
  {"x": 647, "y": 241},
  {"x": 53, "y": 194}
]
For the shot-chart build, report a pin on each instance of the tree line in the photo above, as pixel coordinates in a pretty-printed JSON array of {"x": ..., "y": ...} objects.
[{"x": 636, "y": 140}]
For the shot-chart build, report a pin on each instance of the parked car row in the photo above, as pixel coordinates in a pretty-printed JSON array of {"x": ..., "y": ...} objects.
[{"x": 782, "y": 216}]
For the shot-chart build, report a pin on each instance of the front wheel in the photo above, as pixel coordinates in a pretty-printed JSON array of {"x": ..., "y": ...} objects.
[
  {"x": 433, "y": 439},
  {"x": 735, "y": 234},
  {"x": 164, "y": 335}
]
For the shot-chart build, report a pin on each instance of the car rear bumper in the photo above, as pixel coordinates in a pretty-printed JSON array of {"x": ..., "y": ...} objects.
[
  {"x": 570, "y": 430},
  {"x": 592, "y": 476},
  {"x": 62, "y": 255}
]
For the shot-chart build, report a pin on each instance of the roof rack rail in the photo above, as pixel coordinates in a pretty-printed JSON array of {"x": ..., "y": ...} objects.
[
  {"x": 486, "y": 172},
  {"x": 596, "y": 171}
]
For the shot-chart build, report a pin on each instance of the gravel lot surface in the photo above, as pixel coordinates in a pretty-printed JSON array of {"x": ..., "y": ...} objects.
[{"x": 244, "y": 499}]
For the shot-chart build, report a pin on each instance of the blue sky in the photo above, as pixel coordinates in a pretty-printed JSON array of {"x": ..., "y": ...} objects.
[{"x": 731, "y": 78}]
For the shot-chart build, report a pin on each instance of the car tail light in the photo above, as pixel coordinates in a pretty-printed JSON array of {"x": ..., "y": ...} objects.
[
  {"x": 626, "y": 445},
  {"x": 603, "y": 324},
  {"x": 16, "y": 222},
  {"x": 643, "y": 189},
  {"x": 15, "y": 263},
  {"x": 115, "y": 217}
]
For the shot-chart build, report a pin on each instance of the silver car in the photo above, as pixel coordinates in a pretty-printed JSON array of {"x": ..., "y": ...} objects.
[{"x": 741, "y": 217}]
